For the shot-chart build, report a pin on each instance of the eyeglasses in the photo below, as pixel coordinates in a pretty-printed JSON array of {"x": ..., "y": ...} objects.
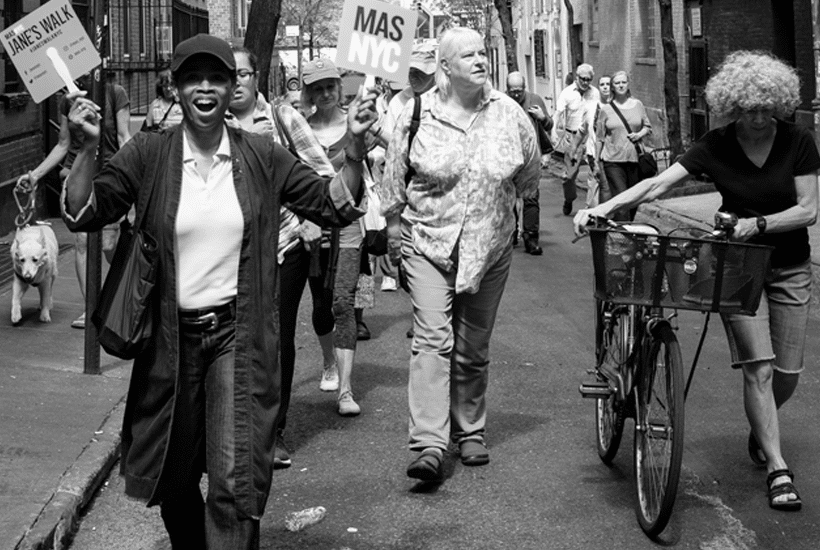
[
  {"x": 244, "y": 75},
  {"x": 585, "y": 78}
]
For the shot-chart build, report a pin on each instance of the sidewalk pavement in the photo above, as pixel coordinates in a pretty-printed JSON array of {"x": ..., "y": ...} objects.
[{"x": 61, "y": 428}]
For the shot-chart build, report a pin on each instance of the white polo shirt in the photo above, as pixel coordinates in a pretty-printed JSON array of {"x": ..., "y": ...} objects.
[{"x": 209, "y": 228}]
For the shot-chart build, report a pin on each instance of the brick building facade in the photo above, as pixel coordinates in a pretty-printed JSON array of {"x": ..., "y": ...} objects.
[
  {"x": 625, "y": 35},
  {"x": 141, "y": 39}
]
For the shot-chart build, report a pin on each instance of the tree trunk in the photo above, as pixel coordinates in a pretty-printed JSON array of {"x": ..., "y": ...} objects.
[
  {"x": 263, "y": 19},
  {"x": 575, "y": 56},
  {"x": 670, "y": 80},
  {"x": 510, "y": 47}
]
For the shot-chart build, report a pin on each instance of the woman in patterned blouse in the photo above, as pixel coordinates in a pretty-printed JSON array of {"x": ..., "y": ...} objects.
[{"x": 450, "y": 228}]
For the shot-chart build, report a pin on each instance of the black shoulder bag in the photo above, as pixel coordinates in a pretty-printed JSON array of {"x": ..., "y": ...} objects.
[
  {"x": 125, "y": 309},
  {"x": 647, "y": 165}
]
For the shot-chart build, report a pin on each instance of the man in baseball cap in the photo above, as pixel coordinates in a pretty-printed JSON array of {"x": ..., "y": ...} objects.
[{"x": 422, "y": 77}]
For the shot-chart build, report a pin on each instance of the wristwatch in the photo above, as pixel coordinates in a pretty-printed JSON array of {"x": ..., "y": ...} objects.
[{"x": 761, "y": 225}]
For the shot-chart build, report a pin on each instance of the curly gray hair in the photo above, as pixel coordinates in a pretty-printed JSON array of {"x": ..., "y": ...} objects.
[{"x": 752, "y": 80}]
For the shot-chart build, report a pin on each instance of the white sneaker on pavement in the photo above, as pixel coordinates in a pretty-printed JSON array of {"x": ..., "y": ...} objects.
[
  {"x": 330, "y": 378},
  {"x": 347, "y": 406}
]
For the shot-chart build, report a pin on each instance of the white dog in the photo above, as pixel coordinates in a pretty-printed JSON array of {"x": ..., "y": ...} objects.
[{"x": 34, "y": 253}]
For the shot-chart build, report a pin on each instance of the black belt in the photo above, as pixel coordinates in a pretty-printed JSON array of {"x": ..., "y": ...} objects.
[{"x": 207, "y": 319}]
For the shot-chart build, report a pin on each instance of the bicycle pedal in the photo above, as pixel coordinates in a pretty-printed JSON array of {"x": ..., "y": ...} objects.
[{"x": 596, "y": 389}]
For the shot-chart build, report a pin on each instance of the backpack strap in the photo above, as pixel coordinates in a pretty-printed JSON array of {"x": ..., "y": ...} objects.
[{"x": 414, "y": 127}]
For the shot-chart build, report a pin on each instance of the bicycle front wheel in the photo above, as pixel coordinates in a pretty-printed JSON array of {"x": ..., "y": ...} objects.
[
  {"x": 659, "y": 431},
  {"x": 612, "y": 344}
]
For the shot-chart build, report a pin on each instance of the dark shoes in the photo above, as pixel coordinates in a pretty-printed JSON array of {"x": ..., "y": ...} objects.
[
  {"x": 567, "y": 208},
  {"x": 362, "y": 332},
  {"x": 427, "y": 466},
  {"x": 531, "y": 246},
  {"x": 782, "y": 489},
  {"x": 473, "y": 452},
  {"x": 281, "y": 457},
  {"x": 755, "y": 452}
]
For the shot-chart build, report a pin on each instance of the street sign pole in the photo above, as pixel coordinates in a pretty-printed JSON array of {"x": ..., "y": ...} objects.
[{"x": 98, "y": 31}]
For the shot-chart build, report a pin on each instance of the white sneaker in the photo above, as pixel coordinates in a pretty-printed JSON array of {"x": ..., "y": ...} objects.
[
  {"x": 389, "y": 284},
  {"x": 330, "y": 378},
  {"x": 347, "y": 406}
]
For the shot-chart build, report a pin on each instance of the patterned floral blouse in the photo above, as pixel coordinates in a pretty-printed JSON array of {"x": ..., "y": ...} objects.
[{"x": 460, "y": 200}]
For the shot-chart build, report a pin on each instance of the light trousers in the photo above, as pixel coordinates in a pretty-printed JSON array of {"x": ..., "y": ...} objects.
[{"x": 450, "y": 351}]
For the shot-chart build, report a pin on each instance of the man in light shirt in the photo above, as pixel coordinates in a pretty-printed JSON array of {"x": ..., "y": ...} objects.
[{"x": 574, "y": 122}]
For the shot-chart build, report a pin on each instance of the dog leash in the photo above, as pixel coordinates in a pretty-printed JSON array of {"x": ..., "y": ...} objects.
[{"x": 25, "y": 191}]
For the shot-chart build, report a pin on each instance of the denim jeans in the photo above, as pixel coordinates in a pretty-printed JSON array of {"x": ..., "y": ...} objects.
[
  {"x": 622, "y": 176},
  {"x": 778, "y": 329},
  {"x": 202, "y": 436},
  {"x": 450, "y": 353}
]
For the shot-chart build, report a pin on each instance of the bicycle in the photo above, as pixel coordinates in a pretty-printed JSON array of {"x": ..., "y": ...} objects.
[{"x": 639, "y": 371}]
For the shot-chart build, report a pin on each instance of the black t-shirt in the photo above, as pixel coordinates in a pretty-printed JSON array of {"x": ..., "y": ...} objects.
[
  {"x": 115, "y": 93},
  {"x": 751, "y": 191}
]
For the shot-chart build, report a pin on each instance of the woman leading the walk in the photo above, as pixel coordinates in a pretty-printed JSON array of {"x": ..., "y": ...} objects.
[
  {"x": 474, "y": 148},
  {"x": 622, "y": 124},
  {"x": 203, "y": 396},
  {"x": 766, "y": 172}
]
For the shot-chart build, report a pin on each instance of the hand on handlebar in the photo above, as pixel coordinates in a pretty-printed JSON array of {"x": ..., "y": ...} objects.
[{"x": 586, "y": 217}]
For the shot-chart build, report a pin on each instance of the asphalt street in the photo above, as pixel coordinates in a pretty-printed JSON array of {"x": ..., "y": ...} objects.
[{"x": 545, "y": 487}]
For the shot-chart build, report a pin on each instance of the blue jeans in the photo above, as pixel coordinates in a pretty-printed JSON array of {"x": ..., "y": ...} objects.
[
  {"x": 202, "y": 436},
  {"x": 450, "y": 352},
  {"x": 621, "y": 176},
  {"x": 778, "y": 329}
]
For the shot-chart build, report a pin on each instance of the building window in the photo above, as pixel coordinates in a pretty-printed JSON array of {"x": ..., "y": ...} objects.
[
  {"x": 540, "y": 57},
  {"x": 593, "y": 21},
  {"x": 646, "y": 34},
  {"x": 243, "y": 9}
]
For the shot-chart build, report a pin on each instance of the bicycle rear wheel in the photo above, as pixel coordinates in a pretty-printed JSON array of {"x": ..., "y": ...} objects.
[
  {"x": 659, "y": 431},
  {"x": 612, "y": 345}
]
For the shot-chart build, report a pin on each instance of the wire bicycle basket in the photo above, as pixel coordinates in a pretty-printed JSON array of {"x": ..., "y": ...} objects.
[{"x": 678, "y": 272}]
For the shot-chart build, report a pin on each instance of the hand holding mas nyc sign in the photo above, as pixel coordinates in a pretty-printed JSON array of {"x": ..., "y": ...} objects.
[{"x": 376, "y": 38}]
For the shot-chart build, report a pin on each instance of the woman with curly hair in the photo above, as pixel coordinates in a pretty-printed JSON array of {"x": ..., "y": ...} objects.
[{"x": 766, "y": 172}]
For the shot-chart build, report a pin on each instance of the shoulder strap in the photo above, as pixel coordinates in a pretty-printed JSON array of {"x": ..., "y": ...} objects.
[
  {"x": 167, "y": 112},
  {"x": 414, "y": 127},
  {"x": 626, "y": 124}
]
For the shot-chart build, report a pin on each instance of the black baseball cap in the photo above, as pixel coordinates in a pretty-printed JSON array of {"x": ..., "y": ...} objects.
[{"x": 203, "y": 44}]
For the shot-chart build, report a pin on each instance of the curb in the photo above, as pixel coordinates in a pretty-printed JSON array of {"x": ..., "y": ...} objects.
[{"x": 56, "y": 524}]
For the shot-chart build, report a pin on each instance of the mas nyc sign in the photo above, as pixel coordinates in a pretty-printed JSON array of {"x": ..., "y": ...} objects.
[{"x": 376, "y": 38}]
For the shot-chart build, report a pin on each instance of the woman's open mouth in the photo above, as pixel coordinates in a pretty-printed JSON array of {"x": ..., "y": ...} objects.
[{"x": 206, "y": 105}]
